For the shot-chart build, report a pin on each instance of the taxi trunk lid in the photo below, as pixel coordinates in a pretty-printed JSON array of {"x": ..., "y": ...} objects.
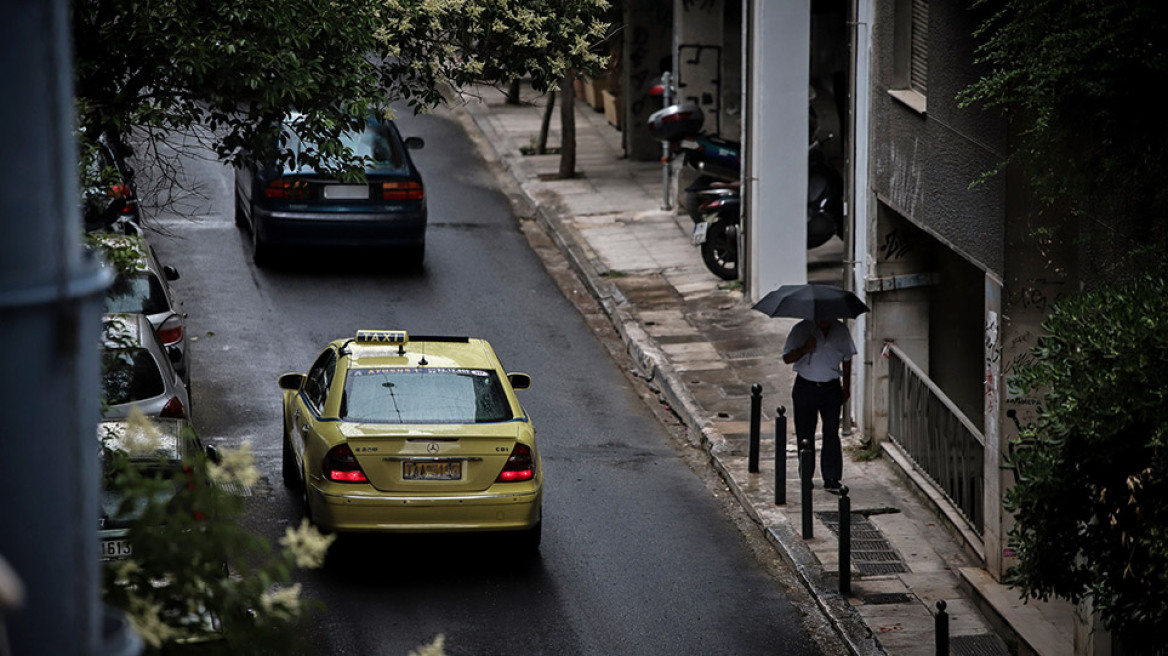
[{"x": 466, "y": 460}]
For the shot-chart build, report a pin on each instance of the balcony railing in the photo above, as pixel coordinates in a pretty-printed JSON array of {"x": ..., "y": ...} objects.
[{"x": 939, "y": 438}]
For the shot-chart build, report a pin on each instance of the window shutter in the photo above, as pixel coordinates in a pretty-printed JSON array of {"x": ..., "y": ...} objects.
[{"x": 919, "y": 56}]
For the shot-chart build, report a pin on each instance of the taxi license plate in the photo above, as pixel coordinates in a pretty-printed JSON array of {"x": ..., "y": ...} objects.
[
  {"x": 346, "y": 192},
  {"x": 114, "y": 549},
  {"x": 443, "y": 470},
  {"x": 699, "y": 233}
]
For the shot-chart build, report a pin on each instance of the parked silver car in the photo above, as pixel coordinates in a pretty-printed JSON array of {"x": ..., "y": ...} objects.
[
  {"x": 145, "y": 289},
  {"x": 138, "y": 371}
]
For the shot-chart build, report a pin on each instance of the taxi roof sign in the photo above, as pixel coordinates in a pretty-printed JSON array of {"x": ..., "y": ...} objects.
[{"x": 382, "y": 337}]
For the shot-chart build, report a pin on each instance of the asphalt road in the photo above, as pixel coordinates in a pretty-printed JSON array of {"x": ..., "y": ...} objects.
[{"x": 642, "y": 552}]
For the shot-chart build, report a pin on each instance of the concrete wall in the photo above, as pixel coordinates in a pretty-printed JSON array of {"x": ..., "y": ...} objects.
[{"x": 923, "y": 162}]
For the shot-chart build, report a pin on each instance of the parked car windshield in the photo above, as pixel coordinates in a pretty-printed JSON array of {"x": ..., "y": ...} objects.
[
  {"x": 377, "y": 142},
  {"x": 424, "y": 395},
  {"x": 136, "y": 294},
  {"x": 130, "y": 374}
]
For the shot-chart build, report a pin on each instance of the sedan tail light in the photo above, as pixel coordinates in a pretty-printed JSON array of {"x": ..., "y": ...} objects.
[
  {"x": 341, "y": 465},
  {"x": 173, "y": 409},
  {"x": 520, "y": 466},
  {"x": 171, "y": 330},
  {"x": 410, "y": 190},
  {"x": 284, "y": 189}
]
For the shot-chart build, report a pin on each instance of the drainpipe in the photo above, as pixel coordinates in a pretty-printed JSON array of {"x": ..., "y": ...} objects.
[{"x": 50, "y": 311}]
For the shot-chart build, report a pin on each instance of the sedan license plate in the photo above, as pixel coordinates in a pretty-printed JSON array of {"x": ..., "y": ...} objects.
[
  {"x": 699, "y": 233},
  {"x": 442, "y": 470},
  {"x": 346, "y": 192},
  {"x": 114, "y": 549}
]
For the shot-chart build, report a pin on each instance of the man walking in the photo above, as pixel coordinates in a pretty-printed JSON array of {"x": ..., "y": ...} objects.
[{"x": 821, "y": 351}]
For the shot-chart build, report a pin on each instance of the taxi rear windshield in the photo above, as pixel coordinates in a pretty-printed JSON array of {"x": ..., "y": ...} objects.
[{"x": 424, "y": 395}]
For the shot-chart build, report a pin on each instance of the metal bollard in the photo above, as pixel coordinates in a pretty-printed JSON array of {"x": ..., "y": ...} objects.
[
  {"x": 845, "y": 541},
  {"x": 941, "y": 625},
  {"x": 806, "y": 460},
  {"x": 780, "y": 456},
  {"x": 755, "y": 420}
]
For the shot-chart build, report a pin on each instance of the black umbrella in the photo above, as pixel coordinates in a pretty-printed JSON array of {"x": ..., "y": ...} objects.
[{"x": 811, "y": 301}]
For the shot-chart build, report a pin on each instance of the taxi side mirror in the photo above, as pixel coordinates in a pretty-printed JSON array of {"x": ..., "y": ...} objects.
[
  {"x": 519, "y": 380},
  {"x": 292, "y": 382}
]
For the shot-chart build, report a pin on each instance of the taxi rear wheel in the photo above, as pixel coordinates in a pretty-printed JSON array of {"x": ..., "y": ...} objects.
[
  {"x": 529, "y": 540},
  {"x": 289, "y": 469}
]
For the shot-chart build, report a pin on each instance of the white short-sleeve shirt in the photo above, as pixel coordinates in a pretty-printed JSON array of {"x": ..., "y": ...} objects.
[{"x": 823, "y": 364}]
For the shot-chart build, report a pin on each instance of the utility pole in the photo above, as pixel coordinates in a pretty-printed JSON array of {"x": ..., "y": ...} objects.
[{"x": 50, "y": 311}]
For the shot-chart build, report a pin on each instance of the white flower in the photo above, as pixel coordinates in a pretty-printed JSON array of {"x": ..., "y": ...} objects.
[
  {"x": 306, "y": 544},
  {"x": 236, "y": 466}
]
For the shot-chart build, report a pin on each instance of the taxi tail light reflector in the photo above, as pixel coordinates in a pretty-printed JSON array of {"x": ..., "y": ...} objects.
[
  {"x": 173, "y": 409},
  {"x": 520, "y": 466},
  {"x": 410, "y": 190},
  {"x": 171, "y": 331},
  {"x": 341, "y": 465}
]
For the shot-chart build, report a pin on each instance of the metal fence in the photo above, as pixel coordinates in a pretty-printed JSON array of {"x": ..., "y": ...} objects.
[{"x": 939, "y": 438}]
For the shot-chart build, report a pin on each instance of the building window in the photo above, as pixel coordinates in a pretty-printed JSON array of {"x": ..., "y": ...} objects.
[{"x": 911, "y": 53}]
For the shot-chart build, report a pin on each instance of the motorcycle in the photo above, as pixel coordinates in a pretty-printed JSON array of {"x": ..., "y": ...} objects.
[
  {"x": 717, "y": 233},
  {"x": 718, "y": 161},
  {"x": 714, "y": 159}
]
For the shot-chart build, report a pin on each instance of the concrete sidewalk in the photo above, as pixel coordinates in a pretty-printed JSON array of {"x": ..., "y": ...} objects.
[{"x": 695, "y": 338}]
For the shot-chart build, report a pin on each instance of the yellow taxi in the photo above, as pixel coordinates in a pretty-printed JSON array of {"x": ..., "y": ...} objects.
[{"x": 392, "y": 433}]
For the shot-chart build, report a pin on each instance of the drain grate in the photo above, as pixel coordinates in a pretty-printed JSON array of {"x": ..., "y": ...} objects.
[
  {"x": 872, "y": 553},
  {"x": 980, "y": 644},
  {"x": 884, "y": 598}
]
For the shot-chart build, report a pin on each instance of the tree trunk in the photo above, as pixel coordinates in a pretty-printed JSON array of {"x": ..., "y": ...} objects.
[
  {"x": 568, "y": 127},
  {"x": 541, "y": 145},
  {"x": 513, "y": 93}
]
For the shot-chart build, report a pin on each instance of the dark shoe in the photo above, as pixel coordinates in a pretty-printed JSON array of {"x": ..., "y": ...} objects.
[{"x": 831, "y": 486}]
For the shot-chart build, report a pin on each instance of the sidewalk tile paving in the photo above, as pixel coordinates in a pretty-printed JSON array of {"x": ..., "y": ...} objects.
[{"x": 696, "y": 339}]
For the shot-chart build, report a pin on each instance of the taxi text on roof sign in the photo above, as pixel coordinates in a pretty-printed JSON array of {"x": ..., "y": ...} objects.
[{"x": 382, "y": 337}]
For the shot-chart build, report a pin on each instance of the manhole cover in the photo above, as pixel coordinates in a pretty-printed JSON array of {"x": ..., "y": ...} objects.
[
  {"x": 880, "y": 599},
  {"x": 980, "y": 644}
]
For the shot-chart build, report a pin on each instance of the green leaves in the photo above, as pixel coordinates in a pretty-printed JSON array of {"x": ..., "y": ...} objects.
[
  {"x": 242, "y": 66},
  {"x": 1091, "y": 499}
]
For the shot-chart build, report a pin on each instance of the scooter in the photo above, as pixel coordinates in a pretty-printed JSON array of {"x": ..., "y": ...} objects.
[
  {"x": 714, "y": 158},
  {"x": 717, "y": 232},
  {"x": 825, "y": 196}
]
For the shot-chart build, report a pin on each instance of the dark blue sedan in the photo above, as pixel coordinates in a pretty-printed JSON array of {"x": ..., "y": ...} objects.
[{"x": 303, "y": 209}]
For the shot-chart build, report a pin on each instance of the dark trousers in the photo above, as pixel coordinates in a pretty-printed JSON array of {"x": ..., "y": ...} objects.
[{"x": 814, "y": 402}]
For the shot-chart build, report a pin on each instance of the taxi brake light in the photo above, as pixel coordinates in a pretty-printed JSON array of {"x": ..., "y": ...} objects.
[
  {"x": 341, "y": 465},
  {"x": 411, "y": 190},
  {"x": 520, "y": 466},
  {"x": 173, "y": 409}
]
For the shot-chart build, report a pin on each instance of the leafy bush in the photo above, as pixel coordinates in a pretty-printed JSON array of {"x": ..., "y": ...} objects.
[
  {"x": 196, "y": 576},
  {"x": 1091, "y": 500}
]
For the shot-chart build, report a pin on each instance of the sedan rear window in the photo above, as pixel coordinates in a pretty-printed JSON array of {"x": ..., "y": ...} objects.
[
  {"x": 136, "y": 294},
  {"x": 424, "y": 395},
  {"x": 130, "y": 375},
  {"x": 377, "y": 142}
]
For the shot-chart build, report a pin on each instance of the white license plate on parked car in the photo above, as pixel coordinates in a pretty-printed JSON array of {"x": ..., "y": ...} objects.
[
  {"x": 699, "y": 233},
  {"x": 114, "y": 549},
  {"x": 346, "y": 192},
  {"x": 442, "y": 470}
]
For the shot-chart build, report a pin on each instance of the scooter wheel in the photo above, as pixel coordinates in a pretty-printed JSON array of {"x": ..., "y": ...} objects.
[{"x": 720, "y": 250}]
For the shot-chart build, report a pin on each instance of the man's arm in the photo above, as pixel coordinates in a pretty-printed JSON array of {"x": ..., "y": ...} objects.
[{"x": 847, "y": 379}]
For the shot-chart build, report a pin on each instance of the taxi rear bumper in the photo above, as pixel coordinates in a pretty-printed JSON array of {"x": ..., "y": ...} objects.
[{"x": 362, "y": 512}]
